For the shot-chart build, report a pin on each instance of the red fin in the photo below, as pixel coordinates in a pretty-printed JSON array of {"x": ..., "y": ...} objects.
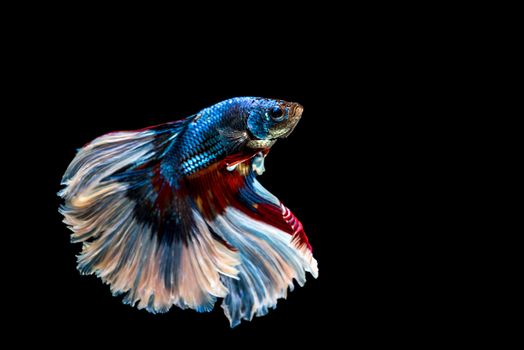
[
  {"x": 299, "y": 235},
  {"x": 215, "y": 188},
  {"x": 283, "y": 219},
  {"x": 162, "y": 188}
]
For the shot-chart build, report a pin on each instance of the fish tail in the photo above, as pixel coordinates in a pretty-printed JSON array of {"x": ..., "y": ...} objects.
[{"x": 138, "y": 234}]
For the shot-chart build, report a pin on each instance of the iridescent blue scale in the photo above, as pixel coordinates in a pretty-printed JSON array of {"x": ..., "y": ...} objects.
[{"x": 203, "y": 145}]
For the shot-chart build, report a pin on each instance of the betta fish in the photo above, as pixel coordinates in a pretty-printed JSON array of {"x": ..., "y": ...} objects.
[{"x": 173, "y": 214}]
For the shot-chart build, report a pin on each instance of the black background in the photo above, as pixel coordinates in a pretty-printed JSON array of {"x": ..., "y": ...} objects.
[{"x": 346, "y": 172}]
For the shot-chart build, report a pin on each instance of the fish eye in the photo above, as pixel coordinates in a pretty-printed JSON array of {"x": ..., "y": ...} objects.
[{"x": 276, "y": 114}]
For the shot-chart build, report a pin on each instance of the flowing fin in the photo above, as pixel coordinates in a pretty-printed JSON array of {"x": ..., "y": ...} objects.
[
  {"x": 271, "y": 242},
  {"x": 215, "y": 233},
  {"x": 139, "y": 234}
]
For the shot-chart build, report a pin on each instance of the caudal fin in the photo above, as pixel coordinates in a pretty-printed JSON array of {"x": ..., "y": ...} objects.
[{"x": 138, "y": 234}]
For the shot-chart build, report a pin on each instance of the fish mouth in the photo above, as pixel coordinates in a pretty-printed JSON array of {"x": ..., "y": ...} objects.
[{"x": 285, "y": 128}]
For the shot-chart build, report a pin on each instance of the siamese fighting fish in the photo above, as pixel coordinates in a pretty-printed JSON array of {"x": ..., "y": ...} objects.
[{"x": 173, "y": 214}]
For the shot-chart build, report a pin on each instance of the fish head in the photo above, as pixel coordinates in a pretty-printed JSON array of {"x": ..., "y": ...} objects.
[{"x": 270, "y": 119}]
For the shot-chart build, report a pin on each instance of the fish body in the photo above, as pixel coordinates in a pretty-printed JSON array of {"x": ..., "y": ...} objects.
[{"x": 173, "y": 214}]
